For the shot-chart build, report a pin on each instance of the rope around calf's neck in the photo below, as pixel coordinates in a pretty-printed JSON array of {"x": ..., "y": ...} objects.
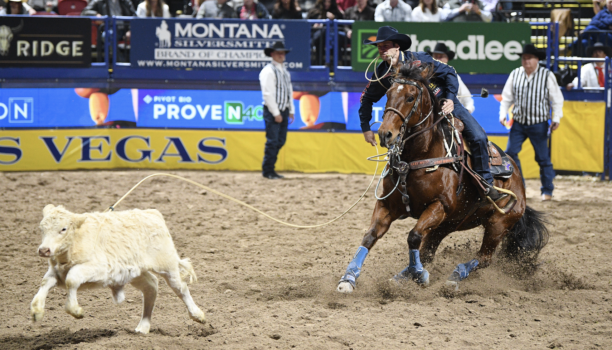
[{"x": 111, "y": 208}]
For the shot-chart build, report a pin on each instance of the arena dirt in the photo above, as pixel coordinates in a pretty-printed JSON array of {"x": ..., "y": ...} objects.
[{"x": 267, "y": 286}]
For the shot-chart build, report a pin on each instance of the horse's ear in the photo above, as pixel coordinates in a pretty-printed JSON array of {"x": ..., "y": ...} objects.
[{"x": 426, "y": 71}]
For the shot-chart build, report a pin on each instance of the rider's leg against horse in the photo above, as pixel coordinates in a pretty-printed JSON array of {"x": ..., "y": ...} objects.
[
  {"x": 381, "y": 221},
  {"x": 431, "y": 218},
  {"x": 477, "y": 138},
  {"x": 515, "y": 144}
]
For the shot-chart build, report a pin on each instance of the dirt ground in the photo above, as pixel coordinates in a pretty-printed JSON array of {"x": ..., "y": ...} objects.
[{"x": 267, "y": 286}]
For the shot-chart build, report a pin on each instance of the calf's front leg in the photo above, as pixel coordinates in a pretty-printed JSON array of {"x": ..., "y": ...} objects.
[
  {"x": 77, "y": 276},
  {"x": 37, "y": 307}
]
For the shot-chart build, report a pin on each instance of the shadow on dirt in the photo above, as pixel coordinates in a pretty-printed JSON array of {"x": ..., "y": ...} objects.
[{"x": 54, "y": 339}]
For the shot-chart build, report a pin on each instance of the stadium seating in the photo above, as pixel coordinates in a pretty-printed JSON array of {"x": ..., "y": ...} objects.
[{"x": 65, "y": 7}]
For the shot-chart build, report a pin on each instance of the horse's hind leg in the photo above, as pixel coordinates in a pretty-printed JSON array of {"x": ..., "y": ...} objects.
[
  {"x": 381, "y": 221},
  {"x": 431, "y": 218}
]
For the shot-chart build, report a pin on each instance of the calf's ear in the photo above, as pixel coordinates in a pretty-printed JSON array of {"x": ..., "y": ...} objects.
[
  {"x": 47, "y": 209},
  {"x": 78, "y": 220}
]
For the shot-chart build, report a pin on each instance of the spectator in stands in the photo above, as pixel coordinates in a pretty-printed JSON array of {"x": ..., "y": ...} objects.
[
  {"x": 592, "y": 74},
  {"x": 286, "y": 9},
  {"x": 468, "y": 11},
  {"x": 393, "y": 11},
  {"x": 532, "y": 89},
  {"x": 17, "y": 7},
  {"x": 601, "y": 21},
  {"x": 117, "y": 8},
  {"x": 360, "y": 12},
  {"x": 427, "y": 11},
  {"x": 343, "y": 5},
  {"x": 278, "y": 110},
  {"x": 444, "y": 55},
  {"x": 44, "y": 5},
  {"x": 252, "y": 10},
  {"x": 325, "y": 9},
  {"x": 153, "y": 8},
  {"x": 216, "y": 9}
]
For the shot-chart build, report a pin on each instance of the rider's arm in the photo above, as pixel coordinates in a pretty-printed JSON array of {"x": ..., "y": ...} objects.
[{"x": 373, "y": 92}]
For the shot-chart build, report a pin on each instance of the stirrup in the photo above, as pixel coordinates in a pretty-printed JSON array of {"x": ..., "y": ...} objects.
[{"x": 511, "y": 203}]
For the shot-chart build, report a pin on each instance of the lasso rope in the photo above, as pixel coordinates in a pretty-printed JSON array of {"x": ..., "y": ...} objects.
[
  {"x": 375, "y": 73},
  {"x": 248, "y": 205}
]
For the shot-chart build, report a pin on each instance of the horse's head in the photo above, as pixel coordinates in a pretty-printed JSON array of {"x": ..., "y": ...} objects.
[{"x": 407, "y": 99}]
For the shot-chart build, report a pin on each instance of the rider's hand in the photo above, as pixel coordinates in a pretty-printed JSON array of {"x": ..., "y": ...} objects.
[
  {"x": 278, "y": 118},
  {"x": 448, "y": 107},
  {"x": 369, "y": 137}
]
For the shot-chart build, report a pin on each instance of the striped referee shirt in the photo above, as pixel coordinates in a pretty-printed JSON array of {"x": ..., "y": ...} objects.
[
  {"x": 276, "y": 88},
  {"x": 532, "y": 96}
]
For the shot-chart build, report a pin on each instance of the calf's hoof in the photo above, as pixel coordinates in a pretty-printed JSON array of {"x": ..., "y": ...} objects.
[
  {"x": 76, "y": 312},
  {"x": 198, "y": 316},
  {"x": 344, "y": 287},
  {"x": 37, "y": 316},
  {"x": 143, "y": 328}
]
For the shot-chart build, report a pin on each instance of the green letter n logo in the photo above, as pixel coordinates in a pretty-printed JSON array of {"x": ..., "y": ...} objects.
[
  {"x": 366, "y": 52},
  {"x": 233, "y": 112}
]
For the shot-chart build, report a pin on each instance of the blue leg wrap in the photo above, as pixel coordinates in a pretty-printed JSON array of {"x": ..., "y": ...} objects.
[
  {"x": 354, "y": 268},
  {"x": 415, "y": 270},
  {"x": 462, "y": 271}
]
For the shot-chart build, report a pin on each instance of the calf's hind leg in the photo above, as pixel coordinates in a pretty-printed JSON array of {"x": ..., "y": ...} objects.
[
  {"x": 173, "y": 277},
  {"x": 147, "y": 284}
]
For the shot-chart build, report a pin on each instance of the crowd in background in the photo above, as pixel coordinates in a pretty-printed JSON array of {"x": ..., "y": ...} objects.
[{"x": 364, "y": 10}]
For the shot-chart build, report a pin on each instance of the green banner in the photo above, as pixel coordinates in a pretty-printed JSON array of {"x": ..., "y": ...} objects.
[{"x": 479, "y": 47}]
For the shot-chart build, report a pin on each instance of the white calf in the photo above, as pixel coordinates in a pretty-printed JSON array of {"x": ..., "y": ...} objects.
[{"x": 112, "y": 249}]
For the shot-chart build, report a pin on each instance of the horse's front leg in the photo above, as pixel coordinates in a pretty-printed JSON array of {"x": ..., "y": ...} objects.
[
  {"x": 431, "y": 218},
  {"x": 381, "y": 221}
]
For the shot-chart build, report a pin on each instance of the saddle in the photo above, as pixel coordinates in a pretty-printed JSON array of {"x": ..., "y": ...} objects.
[{"x": 499, "y": 161}]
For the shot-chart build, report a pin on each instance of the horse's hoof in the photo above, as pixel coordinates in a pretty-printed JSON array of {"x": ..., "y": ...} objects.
[
  {"x": 344, "y": 287},
  {"x": 423, "y": 279}
]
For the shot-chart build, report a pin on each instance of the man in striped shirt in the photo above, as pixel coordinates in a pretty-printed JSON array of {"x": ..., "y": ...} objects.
[
  {"x": 532, "y": 89},
  {"x": 278, "y": 110}
]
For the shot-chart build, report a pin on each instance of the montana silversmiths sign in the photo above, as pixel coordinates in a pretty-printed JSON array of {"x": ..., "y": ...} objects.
[
  {"x": 479, "y": 47},
  {"x": 45, "y": 42},
  {"x": 216, "y": 44}
]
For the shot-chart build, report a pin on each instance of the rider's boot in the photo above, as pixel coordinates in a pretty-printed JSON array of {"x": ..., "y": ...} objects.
[{"x": 494, "y": 194}]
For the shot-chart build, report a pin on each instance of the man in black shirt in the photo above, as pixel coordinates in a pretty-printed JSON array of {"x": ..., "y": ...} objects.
[{"x": 360, "y": 12}]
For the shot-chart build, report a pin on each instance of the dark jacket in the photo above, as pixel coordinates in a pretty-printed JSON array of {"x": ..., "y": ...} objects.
[
  {"x": 601, "y": 21},
  {"x": 317, "y": 13},
  {"x": 444, "y": 80},
  {"x": 260, "y": 10},
  {"x": 353, "y": 13},
  {"x": 282, "y": 13},
  {"x": 99, "y": 7}
]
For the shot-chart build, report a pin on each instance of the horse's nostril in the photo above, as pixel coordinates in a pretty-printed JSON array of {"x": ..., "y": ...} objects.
[{"x": 389, "y": 135}]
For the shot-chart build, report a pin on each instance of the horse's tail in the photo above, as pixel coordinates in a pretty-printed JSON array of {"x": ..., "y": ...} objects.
[{"x": 527, "y": 238}]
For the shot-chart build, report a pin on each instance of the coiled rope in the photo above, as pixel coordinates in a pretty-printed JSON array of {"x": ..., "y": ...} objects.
[{"x": 248, "y": 205}]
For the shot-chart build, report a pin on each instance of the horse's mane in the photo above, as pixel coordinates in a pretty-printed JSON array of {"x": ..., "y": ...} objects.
[{"x": 412, "y": 70}]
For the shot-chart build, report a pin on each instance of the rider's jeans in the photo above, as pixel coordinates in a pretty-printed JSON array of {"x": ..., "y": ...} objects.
[
  {"x": 475, "y": 135},
  {"x": 538, "y": 135}
]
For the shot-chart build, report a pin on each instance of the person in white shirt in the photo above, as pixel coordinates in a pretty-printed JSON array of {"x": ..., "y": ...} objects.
[
  {"x": 278, "y": 112},
  {"x": 593, "y": 74},
  {"x": 393, "y": 11},
  {"x": 153, "y": 8},
  {"x": 532, "y": 89},
  {"x": 467, "y": 11},
  {"x": 427, "y": 11}
]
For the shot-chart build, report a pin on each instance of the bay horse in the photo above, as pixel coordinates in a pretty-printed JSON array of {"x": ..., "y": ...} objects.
[{"x": 442, "y": 198}]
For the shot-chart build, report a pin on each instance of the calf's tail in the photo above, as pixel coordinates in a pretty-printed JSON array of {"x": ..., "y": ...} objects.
[
  {"x": 187, "y": 272},
  {"x": 527, "y": 238}
]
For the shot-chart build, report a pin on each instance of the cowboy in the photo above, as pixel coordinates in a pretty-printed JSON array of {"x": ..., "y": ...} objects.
[
  {"x": 393, "y": 48},
  {"x": 532, "y": 89},
  {"x": 444, "y": 55},
  {"x": 592, "y": 74},
  {"x": 278, "y": 109}
]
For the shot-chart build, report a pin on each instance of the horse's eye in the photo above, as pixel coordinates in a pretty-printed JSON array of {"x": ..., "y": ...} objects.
[{"x": 410, "y": 99}]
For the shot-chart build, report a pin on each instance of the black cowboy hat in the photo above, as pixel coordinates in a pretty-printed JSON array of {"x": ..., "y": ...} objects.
[
  {"x": 599, "y": 46},
  {"x": 278, "y": 46},
  {"x": 443, "y": 49},
  {"x": 387, "y": 33},
  {"x": 529, "y": 49}
]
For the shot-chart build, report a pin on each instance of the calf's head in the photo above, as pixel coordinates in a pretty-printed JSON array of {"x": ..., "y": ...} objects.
[{"x": 58, "y": 226}]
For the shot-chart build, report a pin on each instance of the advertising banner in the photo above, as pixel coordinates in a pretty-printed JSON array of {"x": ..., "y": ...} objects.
[
  {"x": 479, "y": 47},
  {"x": 45, "y": 42},
  {"x": 216, "y": 44},
  {"x": 193, "y": 109}
]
